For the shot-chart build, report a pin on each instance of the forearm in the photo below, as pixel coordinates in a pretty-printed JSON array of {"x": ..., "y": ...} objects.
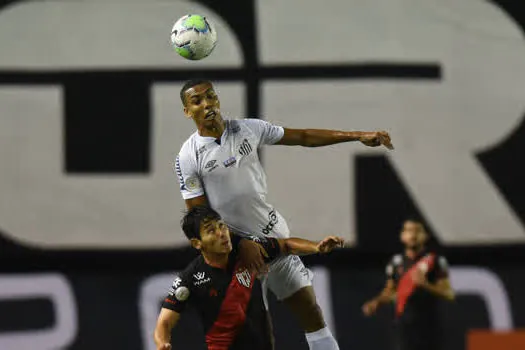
[
  {"x": 162, "y": 334},
  {"x": 299, "y": 246},
  {"x": 385, "y": 297},
  {"x": 319, "y": 138},
  {"x": 439, "y": 290}
]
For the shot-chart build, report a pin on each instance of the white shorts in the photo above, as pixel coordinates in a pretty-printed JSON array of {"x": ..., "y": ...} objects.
[{"x": 286, "y": 276}]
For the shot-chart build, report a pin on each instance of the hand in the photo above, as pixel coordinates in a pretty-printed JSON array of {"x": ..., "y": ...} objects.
[
  {"x": 166, "y": 346},
  {"x": 251, "y": 256},
  {"x": 329, "y": 243},
  {"x": 418, "y": 277},
  {"x": 376, "y": 138},
  {"x": 370, "y": 307}
]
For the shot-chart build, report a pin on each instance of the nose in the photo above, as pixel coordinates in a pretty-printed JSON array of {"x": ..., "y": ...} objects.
[
  {"x": 218, "y": 232},
  {"x": 206, "y": 103}
]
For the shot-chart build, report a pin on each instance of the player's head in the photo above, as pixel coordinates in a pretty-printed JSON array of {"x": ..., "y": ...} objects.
[
  {"x": 206, "y": 231},
  {"x": 201, "y": 102},
  {"x": 413, "y": 234}
]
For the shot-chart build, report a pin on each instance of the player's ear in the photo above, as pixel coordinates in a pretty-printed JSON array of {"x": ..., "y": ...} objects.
[
  {"x": 186, "y": 112},
  {"x": 196, "y": 243}
]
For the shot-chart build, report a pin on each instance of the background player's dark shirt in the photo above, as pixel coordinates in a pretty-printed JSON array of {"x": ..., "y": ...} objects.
[
  {"x": 420, "y": 306},
  {"x": 229, "y": 301}
]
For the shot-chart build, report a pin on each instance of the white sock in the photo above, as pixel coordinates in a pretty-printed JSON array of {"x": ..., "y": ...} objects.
[{"x": 321, "y": 340}]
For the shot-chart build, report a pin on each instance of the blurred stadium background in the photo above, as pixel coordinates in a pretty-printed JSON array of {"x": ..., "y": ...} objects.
[{"x": 90, "y": 120}]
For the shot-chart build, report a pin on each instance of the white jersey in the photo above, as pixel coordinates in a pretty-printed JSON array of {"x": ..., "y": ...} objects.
[{"x": 231, "y": 176}]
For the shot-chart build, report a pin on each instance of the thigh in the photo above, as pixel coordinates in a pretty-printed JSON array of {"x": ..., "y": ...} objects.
[{"x": 288, "y": 275}]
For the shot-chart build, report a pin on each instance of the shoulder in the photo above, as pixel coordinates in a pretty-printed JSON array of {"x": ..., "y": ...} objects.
[
  {"x": 189, "y": 147},
  {"x": 194, "y": 266},
  {"x": 248, "y": 123},
  {"x": 442, "y": 262},
  {"x": 182, "y": 286},
  {"x": 396, "y": 259}
]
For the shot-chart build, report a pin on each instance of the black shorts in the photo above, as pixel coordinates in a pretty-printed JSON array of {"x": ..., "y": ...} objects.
[{"x": 411, "y": 337}]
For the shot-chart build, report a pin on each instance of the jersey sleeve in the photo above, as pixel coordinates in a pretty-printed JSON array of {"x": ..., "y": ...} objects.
[
  {"x": 267, "y": 133},
  {"x": 189, "y": 181},
  {"x": 269, "y": 244},
  {"x": 179, "y": 295},
  {"x": 441, "y": 267},
  {"x": 390, "y": 269}
]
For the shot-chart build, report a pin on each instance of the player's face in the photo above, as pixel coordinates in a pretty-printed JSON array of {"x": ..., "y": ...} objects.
[
  {"x": 413, "y": 235},
  {"x": 215, "y": 237},
  {"x": 203, "y": 106}
]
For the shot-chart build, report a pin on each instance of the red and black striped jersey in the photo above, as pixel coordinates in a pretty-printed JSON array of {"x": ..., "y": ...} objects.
[
  {"x": 415, "y": 303},
  {"x": 228, "y": 300}
]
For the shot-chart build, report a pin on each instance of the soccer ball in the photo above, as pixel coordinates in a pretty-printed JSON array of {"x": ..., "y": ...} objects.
[{"x": 193, "y": 37}]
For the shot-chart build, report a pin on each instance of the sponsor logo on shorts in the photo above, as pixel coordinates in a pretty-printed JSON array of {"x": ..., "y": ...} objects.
[{"x": 272, "y": 221}]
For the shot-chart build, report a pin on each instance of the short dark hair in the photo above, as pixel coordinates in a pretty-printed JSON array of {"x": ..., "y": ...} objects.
[
  {"x": 194, "y": 217},
  {"x": 190, "y": 84}
]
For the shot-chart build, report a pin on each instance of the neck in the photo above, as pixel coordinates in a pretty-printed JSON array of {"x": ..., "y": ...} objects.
[
  {"x": 219, "y": 260},
  {"x": 214, "y": 130},
  {"x": 413, "y": 252}
]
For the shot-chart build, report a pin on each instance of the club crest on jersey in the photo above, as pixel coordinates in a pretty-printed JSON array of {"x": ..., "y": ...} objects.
[
  {"x": 244, "y": 278},
  {"x": 229, "y": 162},
  {"x": 245, "y": 148}
]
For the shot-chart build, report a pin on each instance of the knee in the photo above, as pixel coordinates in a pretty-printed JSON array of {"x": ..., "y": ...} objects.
[
  {"x": 307, "y": 311},
  {"x": 311, "y": 317}
]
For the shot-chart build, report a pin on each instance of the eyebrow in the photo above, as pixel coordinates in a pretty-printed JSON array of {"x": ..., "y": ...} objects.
[
  {"x": 207, "y": 225},
  {"x": 201, "y": 93}
]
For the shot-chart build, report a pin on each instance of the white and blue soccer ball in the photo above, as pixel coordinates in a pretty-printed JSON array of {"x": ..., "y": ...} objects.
[{"x": 193, "y": 37}]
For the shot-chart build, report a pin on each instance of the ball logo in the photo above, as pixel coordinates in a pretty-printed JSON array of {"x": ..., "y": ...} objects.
[{"x": 182, "y": 293}]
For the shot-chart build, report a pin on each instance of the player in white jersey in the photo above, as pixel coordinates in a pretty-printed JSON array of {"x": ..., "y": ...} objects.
[{"x": 219, "y": 165}]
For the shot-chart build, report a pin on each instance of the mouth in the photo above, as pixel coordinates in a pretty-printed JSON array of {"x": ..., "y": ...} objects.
[
  {"x": 210, "y": 115},
  {"x": 225, "y": 243}
]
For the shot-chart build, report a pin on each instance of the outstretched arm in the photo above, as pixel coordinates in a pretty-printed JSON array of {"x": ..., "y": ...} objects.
[
  {"x": 299, "y": 246},
  {"x": 321, "y": 137}
]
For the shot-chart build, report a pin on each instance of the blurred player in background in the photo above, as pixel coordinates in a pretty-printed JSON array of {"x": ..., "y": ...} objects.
[
  {"x": 219, "y": 166},
  {"x": 227, "y": 296},
  {"x": 416, "y": 280}
]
